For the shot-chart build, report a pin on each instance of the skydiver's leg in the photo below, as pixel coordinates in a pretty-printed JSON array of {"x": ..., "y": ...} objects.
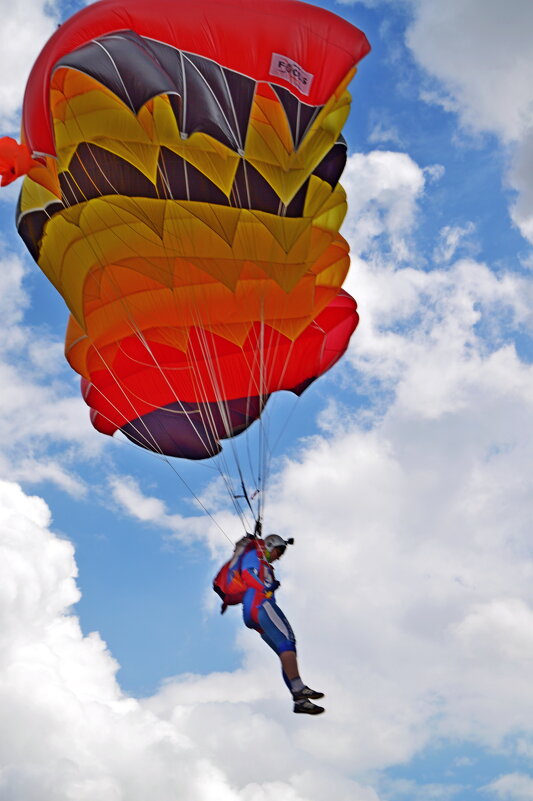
[
  {"x": 278, "y": 634},
  {"x": 291, "y": 673}
]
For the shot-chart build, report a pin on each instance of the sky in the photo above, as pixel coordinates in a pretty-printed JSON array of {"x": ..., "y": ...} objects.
[{"x": 404, "y": 476}]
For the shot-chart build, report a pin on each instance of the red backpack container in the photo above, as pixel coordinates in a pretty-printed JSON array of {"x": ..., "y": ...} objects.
[{"x": 228, "y": 583}]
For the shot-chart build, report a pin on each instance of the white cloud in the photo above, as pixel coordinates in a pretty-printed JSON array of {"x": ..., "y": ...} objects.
[
  {"x": 128, "y": 494},
  {"x": 14, "y": 301},
  {"x": 44, "y": 424},
  {"x": 35, "y": 471},
  {"x": 427, "y": 333},
  {"x": 501, "y": 630},
  {"x": 479, "y": 50},
  {"x": 383, "y": 188},
  {"x": 47, "y": 356},
  {"x": 512, "y": 787},
  {"x": 412, "y": 791},
  {"x": 25, "y": 29},
  {"x": 77, "y": 734},
  {"x": 384, "y": 132},
  {"x": 477, "y": 57},
  {"x": 520, "y": 177},
  {"x": 68, "y": 732},
  {"x": 451, "y": 238},
  {"x": 202, "y": 527},
  {"x": 444, "y": 336}
]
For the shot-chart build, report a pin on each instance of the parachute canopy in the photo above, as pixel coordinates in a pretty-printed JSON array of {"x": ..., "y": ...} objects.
[{"x": 183, "y": 196}]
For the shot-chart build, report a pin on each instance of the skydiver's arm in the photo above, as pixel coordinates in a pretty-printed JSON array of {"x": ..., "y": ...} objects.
[
  {"x": 251, "y": 579},
  {"x": 239, "y": 549},
  {"x": 250, "y": 574}
]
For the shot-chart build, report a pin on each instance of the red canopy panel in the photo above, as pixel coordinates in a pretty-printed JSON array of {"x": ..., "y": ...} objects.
[
  {"x": 158, "y": 405},
  {"x": 295, "y": 45}
]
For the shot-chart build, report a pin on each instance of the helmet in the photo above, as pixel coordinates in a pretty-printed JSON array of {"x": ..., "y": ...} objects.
[{"x": 274, "y": 541}]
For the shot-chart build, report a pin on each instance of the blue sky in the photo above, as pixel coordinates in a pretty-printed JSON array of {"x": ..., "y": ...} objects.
[{"x": 404, "y": 475}]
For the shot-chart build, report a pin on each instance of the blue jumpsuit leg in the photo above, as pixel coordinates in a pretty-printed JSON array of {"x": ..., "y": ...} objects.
[{"x": 276, "y": 629}]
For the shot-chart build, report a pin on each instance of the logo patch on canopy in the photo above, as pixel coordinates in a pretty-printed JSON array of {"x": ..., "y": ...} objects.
[{"x": 291, "y": 71}]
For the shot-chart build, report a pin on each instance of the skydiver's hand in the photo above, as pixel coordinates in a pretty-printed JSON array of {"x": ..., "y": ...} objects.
[
  {"x": 274, "y": 586},
  {"x": 242, "y": 542}
]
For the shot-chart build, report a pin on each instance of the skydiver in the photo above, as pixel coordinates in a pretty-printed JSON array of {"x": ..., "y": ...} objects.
[{"x": 260, "y": 612}]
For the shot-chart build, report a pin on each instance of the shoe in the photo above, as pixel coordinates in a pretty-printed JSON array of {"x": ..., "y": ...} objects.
[
  {"x": 307, "y": 707},
  {"x": 307, "y": 692}
]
